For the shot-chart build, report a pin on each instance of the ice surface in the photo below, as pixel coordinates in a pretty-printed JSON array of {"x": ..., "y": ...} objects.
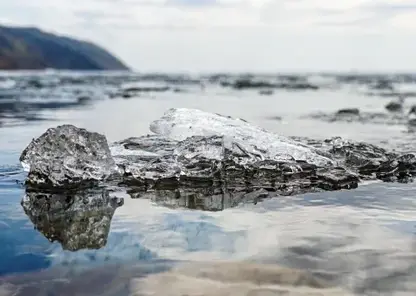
[
  {"x": 67, "y": 155},
  {"x": 181, "y": 123}
]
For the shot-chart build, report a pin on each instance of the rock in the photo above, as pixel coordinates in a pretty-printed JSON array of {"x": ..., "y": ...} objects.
[
  {"x": 249, "y": 83},
  {"x": 83, "y": 100},
  {"x": 67, "y": 156},
  {"x": 77, "y": 220},
  {"x": 396, "y": 106},
  {"x": 383, "y": 85},
  {"x": 275, "y": 117},
  {"x": 392, "y": 118},
  {"x": 298, "y": 86},
  {"x": 146, "y": 89},
  {"x": 393, "y": 94},
  {"x": 127, "y": 95},
  {"x": 348, "y": 111}
]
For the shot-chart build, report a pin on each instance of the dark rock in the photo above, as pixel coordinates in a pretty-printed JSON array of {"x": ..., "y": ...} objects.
[
  {"x": 298, "y": 86},
  {"x": 394, "y": 106},
  {"x": 393, "y": 94},
  {"x": 135, "y": 91},
  {"x": 77, "y": 220},
  {"x": 67, "y": 156},
  {"x": 412, "y": 110},
  {"x": 276, "y": 117},
  {"x": 348, "y": 111},
  {"x": 127, "y": 95},
  {"x": 247, "y": 83},
  {"x": 83, "y": 100},
  {"x": 146, "y": 89},
  {"x": 392, "y": 118},
  {"x": 383, "y": 85},
  {"x": 34, "y": 83}
]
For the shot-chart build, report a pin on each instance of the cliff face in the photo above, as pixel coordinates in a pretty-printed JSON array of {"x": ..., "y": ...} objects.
[{"x": 31, "y": 48}]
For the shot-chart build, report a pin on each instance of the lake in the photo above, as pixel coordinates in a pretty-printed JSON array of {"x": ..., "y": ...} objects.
[{"x": 361, "y": 241}]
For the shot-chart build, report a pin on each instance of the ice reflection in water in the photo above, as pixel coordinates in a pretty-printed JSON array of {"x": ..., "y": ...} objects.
[{"x": 77, "y": 220}]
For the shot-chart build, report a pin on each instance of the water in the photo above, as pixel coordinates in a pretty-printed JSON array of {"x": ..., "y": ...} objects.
[{"x": 361, "y": 241}]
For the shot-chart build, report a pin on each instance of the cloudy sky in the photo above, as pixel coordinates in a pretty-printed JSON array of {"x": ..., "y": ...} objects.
[{"x": 235, "y": 35}]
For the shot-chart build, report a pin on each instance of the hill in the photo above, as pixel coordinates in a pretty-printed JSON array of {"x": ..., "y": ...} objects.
[{"x": 30, "y": 48}]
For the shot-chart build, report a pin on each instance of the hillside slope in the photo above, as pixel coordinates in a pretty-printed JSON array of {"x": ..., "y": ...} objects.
[{"x": 31, "y": 48}]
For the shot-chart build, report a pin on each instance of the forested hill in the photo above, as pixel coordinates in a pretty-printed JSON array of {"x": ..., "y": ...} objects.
[{"x": 30, "y": 48}]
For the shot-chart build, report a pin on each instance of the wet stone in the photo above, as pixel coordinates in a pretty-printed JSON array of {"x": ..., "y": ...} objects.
[{"x": 348, "y": 111}]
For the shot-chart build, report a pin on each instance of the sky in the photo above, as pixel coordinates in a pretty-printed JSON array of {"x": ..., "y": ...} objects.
[{"x": 235, "y": 35}]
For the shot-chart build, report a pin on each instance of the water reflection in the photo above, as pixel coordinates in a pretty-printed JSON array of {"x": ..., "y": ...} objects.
[
  {"x": 207, "y": 198},
  {"x": 77, "y": 220}
]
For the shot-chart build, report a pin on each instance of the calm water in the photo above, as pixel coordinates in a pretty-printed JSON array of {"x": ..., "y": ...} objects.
[{"x": 363, "y": 239}]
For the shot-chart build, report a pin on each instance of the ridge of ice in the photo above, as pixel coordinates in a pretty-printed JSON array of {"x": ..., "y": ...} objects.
[{"x": 181, "y": 123}]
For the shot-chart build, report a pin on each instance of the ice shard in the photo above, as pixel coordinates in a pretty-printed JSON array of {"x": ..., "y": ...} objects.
[{"x": 67, "y": 156}]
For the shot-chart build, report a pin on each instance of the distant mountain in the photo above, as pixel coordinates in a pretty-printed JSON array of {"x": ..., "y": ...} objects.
[{"x": 31, "y": 48}]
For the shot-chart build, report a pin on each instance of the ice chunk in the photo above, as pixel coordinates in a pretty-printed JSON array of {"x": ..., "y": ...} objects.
[
  {"x": 67, "y": 156},
  {"x": 218, "y": 166},
  {"x": 181, "y": 123}
]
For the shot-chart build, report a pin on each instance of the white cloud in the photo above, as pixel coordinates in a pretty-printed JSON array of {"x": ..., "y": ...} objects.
[{"x": 234, "y": 34}]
